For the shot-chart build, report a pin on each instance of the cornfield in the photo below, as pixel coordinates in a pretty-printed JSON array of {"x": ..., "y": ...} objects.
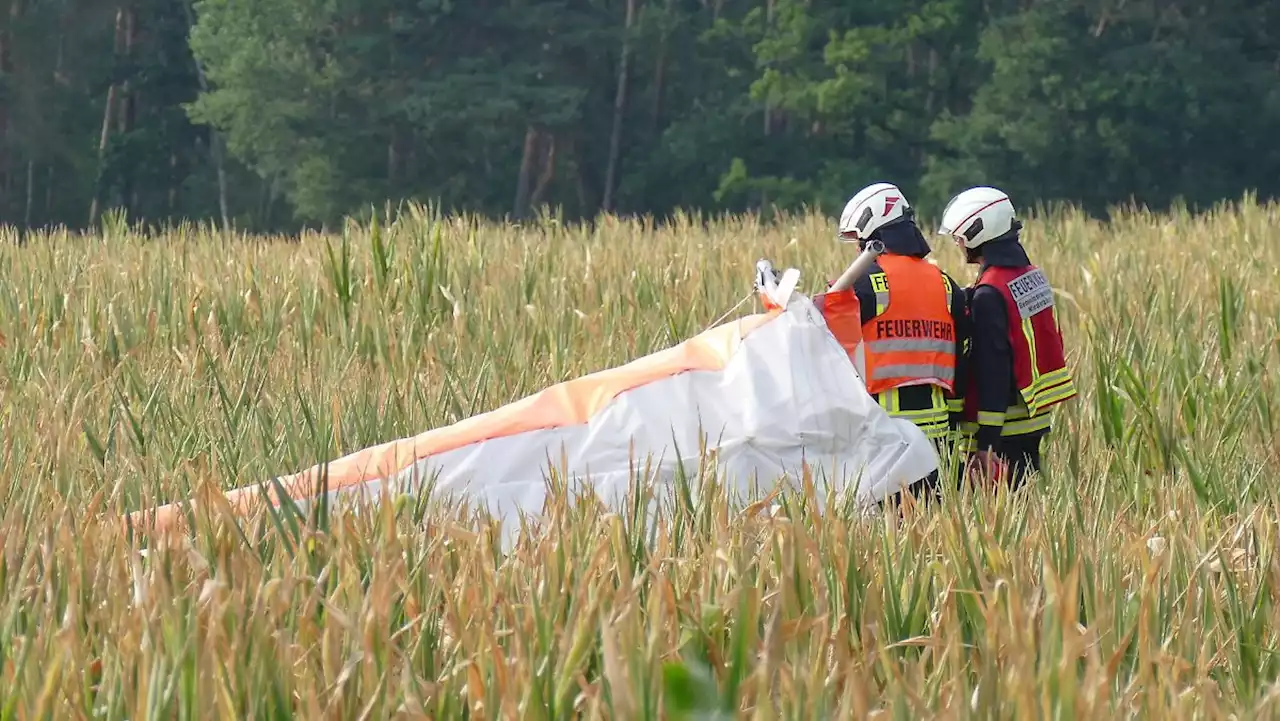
[{"x": 1136, "y": 577}]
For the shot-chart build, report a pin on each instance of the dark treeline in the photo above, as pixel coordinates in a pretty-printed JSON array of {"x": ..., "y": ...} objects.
[{"x": 274, "y": 113}]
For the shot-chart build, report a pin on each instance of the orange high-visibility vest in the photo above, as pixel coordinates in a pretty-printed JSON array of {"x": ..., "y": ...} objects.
[{"x": 913, "y": 340}]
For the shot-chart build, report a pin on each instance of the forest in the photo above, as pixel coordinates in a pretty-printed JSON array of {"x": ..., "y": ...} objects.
[{"x": 272, "y": 115}]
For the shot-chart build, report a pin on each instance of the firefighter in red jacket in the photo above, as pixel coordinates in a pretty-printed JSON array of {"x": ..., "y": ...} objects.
[{"x": 1018, "y": 369}]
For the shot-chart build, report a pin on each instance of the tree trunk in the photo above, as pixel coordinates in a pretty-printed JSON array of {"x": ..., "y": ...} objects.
[
  {"x": 394, "y": 135},
  {"x": 768, "y": 109},
  {"x": 5, "y": 71},
  {"x": 264, "y": 202},
  {"x": 31, "y": 190},
  {"x": 411, "y": 157},
  {"x": 659, "y": 86},
  {"x": 128, "y": 113},
  {"x": 619, "y": 112},
  {"x": 269, "y": 210},
  {"x": 215, "y": 138},
  {"x": 215, "y": 141},
  {"x": 59, "y": 76},
  {"x": 173, "y": 183},
  {"x": 526, "y": 168},
  {"x": 575, "y": 171},
  {"x": 393, "y": 159},
  {"x": 933, "y": 83},
  {"x": 107, "y": 115},
  {"x": 548, "y": 173}
]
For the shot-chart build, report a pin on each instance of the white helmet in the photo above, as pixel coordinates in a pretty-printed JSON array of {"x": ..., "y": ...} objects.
[
  {"x": 977, "y": 215},
  {"x": 872, "y": 208}
]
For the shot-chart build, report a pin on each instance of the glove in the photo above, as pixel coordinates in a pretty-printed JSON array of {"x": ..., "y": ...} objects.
[
  {"x": 765, "y": 274},
  {"x": 985, "y": 469}
]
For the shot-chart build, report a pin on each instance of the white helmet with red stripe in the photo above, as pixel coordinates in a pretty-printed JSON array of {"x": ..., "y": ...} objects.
[
  {"x": 977, "y": 215},
  {"x": 870, "y": 209}
]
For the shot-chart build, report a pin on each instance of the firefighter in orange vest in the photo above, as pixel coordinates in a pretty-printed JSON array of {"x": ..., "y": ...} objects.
[
  {"x": 1018, "y": 364},
  {"x": 914, "y": 321}
]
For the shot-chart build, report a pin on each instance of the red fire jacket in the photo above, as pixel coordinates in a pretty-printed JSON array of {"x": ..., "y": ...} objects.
[{"x": 1039, "y": 362}]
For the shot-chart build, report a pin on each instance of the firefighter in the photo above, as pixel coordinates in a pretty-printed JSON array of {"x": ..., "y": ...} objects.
[
  {"x": 914, "y": 321},
  {"x": 1018, "y": 364}
]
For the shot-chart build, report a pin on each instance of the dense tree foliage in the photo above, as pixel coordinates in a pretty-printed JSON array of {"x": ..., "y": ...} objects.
[{"x": 273, "y": 113}]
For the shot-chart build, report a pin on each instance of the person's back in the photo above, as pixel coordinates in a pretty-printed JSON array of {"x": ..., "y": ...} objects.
[
  {"x": 1017, "y": 357},
  {"x": 913, "y": 316}
]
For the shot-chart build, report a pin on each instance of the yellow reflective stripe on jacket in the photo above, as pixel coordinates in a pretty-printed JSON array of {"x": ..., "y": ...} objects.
[
  {"x": 1053, "y": 378},
  {"x": 1049, "y": 388},
  {"x": 991, "y": 418},
  {"x": 1014, "y": 427},
  {"x": 1056, "y": 394},
  {"x": 1054, "y": 387},
  {"x": 928, "y": 415},
  {"x": 935, "y": 431},
  {"x": 1017, "y": 420},
  {"x": 880, "y": 285},
  {"x": 1028, "y": 331},
  {"x": 1027, "y": 425},
  {"x": 934, "y": 420}
]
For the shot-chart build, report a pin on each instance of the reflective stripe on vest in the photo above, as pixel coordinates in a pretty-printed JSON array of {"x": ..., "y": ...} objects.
[
  {"x": 934, "y": 421},
  {"x": 916, "y": 371},
  {"x": 911, "y": 340},
  {"x": 880, "y": 286},
  {"x": 901, "y": 344}
]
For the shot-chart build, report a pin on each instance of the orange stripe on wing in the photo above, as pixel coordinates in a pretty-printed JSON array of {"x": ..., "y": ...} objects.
[{"x": 570, "y": 403}]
